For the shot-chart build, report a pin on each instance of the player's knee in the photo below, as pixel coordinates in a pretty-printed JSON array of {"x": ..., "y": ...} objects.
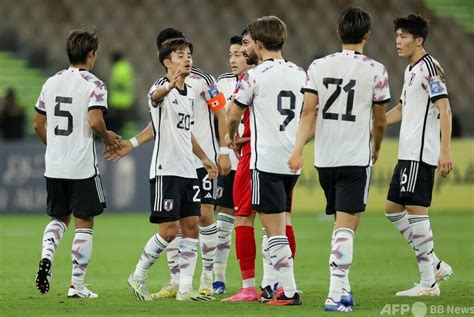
[
  {"x": 168, "y": 231},
  {"x": 87, "y": 223}
]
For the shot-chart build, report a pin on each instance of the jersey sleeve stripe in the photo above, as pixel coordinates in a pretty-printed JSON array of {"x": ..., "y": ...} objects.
[
  {"x": 435, "y": 98},
  {"x": 381, "y": 102},
  {"x": 209, "y": 80},
  {"x": 240, "y": 104},
  {"x": 431, "y": 67},
  {"x": 104, "y": 109},
  {"x": 225, "y": 75},
  {"x": 312, "y": 91},
  {"x": 40, "y": 111}
]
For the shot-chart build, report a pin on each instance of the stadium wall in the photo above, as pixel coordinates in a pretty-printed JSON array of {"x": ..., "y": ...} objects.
[{"x": 22, "y": 185}]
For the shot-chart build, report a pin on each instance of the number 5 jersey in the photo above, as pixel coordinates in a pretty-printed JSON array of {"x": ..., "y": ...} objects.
[{"x": 66, "y": 99}]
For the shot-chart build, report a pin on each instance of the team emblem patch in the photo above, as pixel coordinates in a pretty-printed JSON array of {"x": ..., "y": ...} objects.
[
  {"x": 435, "y": 86},
  {"x": 168, "y": 204}
]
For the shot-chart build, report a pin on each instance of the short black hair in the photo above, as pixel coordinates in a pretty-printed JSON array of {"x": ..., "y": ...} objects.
[
  {"x": 167, "y": 34},
  {"x": 353, "y": 24},
  {"x": 79, "y": 43},
  {"x": 235, "y": 40},
  {"x": 245, "y": 31},
  {"x": 170, "y": 46},
  {"x": 414, "y": 24}
]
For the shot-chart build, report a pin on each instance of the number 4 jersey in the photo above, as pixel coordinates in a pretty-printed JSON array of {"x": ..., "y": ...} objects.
[
  {"x": 347, "y": 84},
  {"x": 172, "y": 119},
  {"x": 273, "y": 90},
  {"x": 66, "y": 99}
]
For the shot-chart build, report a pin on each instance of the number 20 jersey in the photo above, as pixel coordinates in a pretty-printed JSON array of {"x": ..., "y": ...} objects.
[
  {"x": 273, "y": 92},
  {"x": 66, "y": 99},
  {"x": 347, "y": 85},
  {"x": 172, "y": 118}
]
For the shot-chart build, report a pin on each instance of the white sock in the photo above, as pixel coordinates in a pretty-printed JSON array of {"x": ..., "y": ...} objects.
[
  {"x": 208, "y": 240},
  {"x": 269, "y": 274},
  {"x": 172, "y": 254},
  {"x": 52, "y": 235},
  {"x": 153, "y": 248},
  {"x": 81, "y": 252},
  {"x": 187, "y": 263},
  {"x": 340, "y": 261},
  {"x": 423, "y": 245},
  {"x": 280, "y": 254},
  {"x": 225, "y": 226},
  {"x": 346, "y": 284},
  {"x": 400, "y": 221}
]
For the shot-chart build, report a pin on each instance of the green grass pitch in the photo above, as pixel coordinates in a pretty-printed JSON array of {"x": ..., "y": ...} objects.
[{"x": 383, "y": 264}]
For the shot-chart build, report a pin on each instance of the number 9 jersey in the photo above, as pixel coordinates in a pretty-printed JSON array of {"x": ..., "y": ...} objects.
[
  {"x": 172, "y": 118},
  {"x": 66, "y": 99},
  {"x": 273, "y": 91},
  {"x": 347, "y": 84}
]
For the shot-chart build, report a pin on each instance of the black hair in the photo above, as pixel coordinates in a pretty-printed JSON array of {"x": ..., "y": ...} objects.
[
  {"x": 414, "y": 24},
  {"x": 167, "y": 34},
  {"x": 79, "y": 43},
  {"x": 171, "y": 45},
  {"x": 245, "y": 31},
  {"x": 353, "y": 24},
  {"x": 235, "y": 40}
]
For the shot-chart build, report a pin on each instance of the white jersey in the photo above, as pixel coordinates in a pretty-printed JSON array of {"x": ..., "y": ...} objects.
[
  {"x": 347, "y": 84},
  {"x": 172, "y": 119},
  {"x": 66, "y": 99},
  {"x": 273, "y": 91},
  {"x": 204, "y": 130},
  {"x": 226, "y": 83},
  {"x": 423, "y": 84}
]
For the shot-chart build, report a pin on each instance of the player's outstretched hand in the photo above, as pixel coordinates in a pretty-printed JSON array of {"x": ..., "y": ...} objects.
[
  {"x": 174, "y": 79},
  {"x": 115, "y": 155},
  {"x": 445, "y": 164},
  {"x": 211, "y": 168},
  {"x": 112, "y": 141},
  {"x": 295, "y": 162}
]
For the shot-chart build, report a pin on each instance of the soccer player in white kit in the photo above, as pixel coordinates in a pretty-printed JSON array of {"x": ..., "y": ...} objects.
[
  {"x": 273, "y": 93},
  {"x": 425, "y": 113},
  {"x": 174, "y": 189},
  {"x": 69, "y": 112},
  {"x": 352, "y": 91},
  {"x": 226, "y": 83},
  {"x": 209, "y": 104}
]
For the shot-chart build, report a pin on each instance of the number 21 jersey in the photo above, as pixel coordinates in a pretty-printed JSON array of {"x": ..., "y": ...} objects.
[{"x": 347, "y": 84}]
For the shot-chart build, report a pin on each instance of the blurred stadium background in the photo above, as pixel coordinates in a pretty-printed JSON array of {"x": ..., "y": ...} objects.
[{"x": 32, "y": 48}]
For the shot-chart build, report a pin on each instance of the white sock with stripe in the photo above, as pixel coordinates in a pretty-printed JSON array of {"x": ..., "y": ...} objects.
[
  {"x": 172, "y": 254},
  {"x": 208, "y": 241},
  {"x": 187, "y": 263},
  {"x": 151, "y": 253},
  {"x": 423, "y": 245},
  {"x": 225, "y": 226},
  {"x": 280, "y": 254},
  {"x": 269, "y": 273},
  {"x": 340, "y": 261},
  {"x": 81, "y": 252},
  {"x": 53, "y": 233}
]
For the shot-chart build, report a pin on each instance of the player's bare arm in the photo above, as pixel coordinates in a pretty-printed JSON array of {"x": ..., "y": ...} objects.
[
  {"x": 126, "y": 146},
  {"x": 234, "y": 117},
  {"x": 445, "y": 161},
  {"x": 224, "y": 161},
  {"x": 210, "y": 167},
  {"x": 39, "y": 124},
  {"x": 379, "y": 124},
  {"x": 96, "y": 121},
  {"x": 160, "y": 93},
  {"x": 305, "y": 131},
  {"x": 394, "y": 115}
]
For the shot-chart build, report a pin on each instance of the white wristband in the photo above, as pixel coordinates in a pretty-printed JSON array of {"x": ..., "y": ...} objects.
[
  {"x": 224, "y": 150},
  {"x": 134, "y": 142}
]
